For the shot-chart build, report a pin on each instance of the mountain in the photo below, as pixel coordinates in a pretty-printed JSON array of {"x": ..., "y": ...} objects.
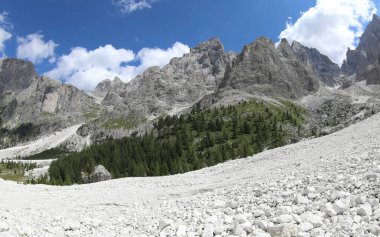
[
  {"x": 371, "y": 74},
  {"x": 177, "y": 85},
  {"x": 206, "y": 77},
  {"x": 45, "y": 104},
  {"x": 261, "y": 68},
  {"x": 328, "y": 72},
  {"x": 367, "y": 51}
]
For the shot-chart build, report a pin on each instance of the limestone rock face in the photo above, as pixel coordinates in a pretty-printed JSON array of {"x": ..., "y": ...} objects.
[
  {"x": 178, "y": 85},
  {"x": 41, "y": 101},
  {"x": 327, "y": 71},
  {"x": 99, "y": 174},
  {"x": 367, "y": 51},
  {"x": 262, "y": 69},
  {"x": 371, "y": 74},
  {"x": 16, "y": 75}
]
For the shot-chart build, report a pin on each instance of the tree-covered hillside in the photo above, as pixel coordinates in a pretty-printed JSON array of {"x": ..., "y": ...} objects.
[{"x": 188, "y": 142}]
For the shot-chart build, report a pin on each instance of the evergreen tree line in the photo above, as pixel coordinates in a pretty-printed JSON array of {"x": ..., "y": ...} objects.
[
  {"x": 16, "y": 166},
  {"x": 184, "y": 143}
]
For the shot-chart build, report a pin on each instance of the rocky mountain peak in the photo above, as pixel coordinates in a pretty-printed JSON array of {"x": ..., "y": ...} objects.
[
  {"x": 179, "y": 84},
  {"x": 328, "y": 71},
  {"x": 375, "y": 18},
  {"x": 263, "y": 69},
  {"x": 117, "y": 80},
  {"x": 16, "y": 75},
  {"x": 285, "y": 49},
  {"x": 213, "y": 44},
  {"x": 367, "y": 51},
  {"x": 262, "y": 46}
]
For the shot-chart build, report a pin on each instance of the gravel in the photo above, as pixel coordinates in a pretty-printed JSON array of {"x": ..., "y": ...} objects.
[{"x": 328, "y": 186}]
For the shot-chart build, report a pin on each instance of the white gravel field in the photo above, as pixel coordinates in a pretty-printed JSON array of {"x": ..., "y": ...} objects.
[{"x": 328, "y": 186}]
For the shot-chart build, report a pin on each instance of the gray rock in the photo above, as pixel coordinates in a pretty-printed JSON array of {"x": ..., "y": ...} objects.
[
  {"x": 367, "y": 51},
  {"x": 99, "y": 174},
  {"x": 340, "y": 206},
  {"x": 208, "y": 231},
  {"x": 261, "y": 69},
  {"x": 371, "y": 74},
  {"x": 287, "y": 230},
  {"x": 3, "y": 226},
  {"x": 163, "y": 223},
  {"x": 179, "y": 84},
  {"x": 328, "y": 72},
  {"x": 46, "y": 104},
  {"x": 365, "y": 210},
  {"x": 299, "y": 199},
  {"x": 305, "y": 227},
  {"x": 181, "y": 231}
]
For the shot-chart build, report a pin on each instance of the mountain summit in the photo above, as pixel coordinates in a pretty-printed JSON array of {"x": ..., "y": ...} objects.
[{"x": 367, "y": 51}]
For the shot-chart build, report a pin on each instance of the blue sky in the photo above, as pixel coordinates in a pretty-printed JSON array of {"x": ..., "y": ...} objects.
[
  {"x": 93, "y": 24},
  {"x": 90, "y": 23}
]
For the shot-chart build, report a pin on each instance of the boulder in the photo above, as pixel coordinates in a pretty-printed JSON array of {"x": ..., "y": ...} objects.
[{"x": 99, "y": 174}]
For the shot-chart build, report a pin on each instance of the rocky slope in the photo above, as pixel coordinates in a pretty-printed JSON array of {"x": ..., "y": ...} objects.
[{"x": 307, "y": 189}]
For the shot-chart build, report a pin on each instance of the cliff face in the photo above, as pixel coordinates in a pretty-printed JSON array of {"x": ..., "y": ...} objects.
[
  {"x": 327, "y": 71},
  {"x": 43, "y": 102},
  {"x": 179, "y": 84},
  {"x": 16, "y": 75},
  {"x": 261, "y": 69},
  {"x": 367, "y": 51}
]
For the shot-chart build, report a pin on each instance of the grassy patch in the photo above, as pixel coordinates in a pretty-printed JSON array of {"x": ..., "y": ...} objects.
[
  {"x": 90, "y": 115},
  {"x": 47, "y": 114},
  {"x": 122, "y": 123},
  {"x": 14, "y": 177},
  {"x": 14, "y": 172}
]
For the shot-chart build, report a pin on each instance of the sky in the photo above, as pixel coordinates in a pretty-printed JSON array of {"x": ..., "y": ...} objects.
[{"x": 83, "y": 42}]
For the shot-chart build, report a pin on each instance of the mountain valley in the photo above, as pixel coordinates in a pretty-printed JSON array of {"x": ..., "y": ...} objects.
[{"x": 276, "y": 140}]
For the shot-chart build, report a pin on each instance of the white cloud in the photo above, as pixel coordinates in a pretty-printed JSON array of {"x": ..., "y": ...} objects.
[
  {"x": 331, "y": 26},
  {"x": 86, "y": 68},
  {"x": 4, "y": 34},
  {"x": 160, "y": 57},
  {"x": 128, "y": 6},
  {"x": 34, "y": 48}
]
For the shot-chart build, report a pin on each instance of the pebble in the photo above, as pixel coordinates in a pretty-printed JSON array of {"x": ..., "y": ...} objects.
[
  {"x": 3, "y": 226},
  {"x": 301, "y": 199},
  {"x": 305, "y": 227},
  {"x": 365, "y": 210},
  {"x": 163, "y": 223}
]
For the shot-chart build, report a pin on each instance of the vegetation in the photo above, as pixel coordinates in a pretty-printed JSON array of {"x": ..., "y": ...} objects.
[
  {"x": 53, "y": 153},
  {"x": 188, "y": 142},
  {"x": 14, "y": 171},
  {"x": 122, "y": 123}
]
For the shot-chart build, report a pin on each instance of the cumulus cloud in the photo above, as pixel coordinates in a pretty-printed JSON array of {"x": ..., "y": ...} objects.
[
  {"x": 159, "y": 57},
  {"x": 86, "y": 68},
  {"x": 128, "y": 6},
  {"x": 34, "y": 48},
  {"x": 4, "y": 32},
  {"x": 331, "y": 26}
]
